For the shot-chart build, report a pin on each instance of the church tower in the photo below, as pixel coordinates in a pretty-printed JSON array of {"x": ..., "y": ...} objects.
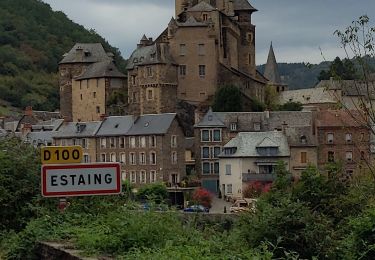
[{"x": 271, "y": 72}]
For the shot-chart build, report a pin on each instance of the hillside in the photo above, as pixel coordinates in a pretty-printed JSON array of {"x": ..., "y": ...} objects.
[{"x": 33, "y": 39}]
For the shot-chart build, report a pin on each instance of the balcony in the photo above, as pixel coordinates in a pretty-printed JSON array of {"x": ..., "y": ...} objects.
[{"x": 266, "y": 177}]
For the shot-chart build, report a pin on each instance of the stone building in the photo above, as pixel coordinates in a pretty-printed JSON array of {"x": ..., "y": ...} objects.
[
  {"x": 209, "y": 44},
  {"x": 87, "y": 79},
  {"x": 216, "y": 129},
  {"x": 344, "y": 138},
  {"x": 251, "y": 157}
]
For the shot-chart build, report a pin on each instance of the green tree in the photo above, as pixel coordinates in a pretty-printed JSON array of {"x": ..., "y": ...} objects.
[
  {"x": 339, "y": 70},
  {"x": 228, "y": 99},
  {"x": 156, "y": 192},
  {"x": 290, "y": 106}
]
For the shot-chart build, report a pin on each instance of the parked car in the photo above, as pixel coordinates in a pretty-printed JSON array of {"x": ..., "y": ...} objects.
[
  {"x": 197, "y": 208},
  {"x": 243, "y": 205}
]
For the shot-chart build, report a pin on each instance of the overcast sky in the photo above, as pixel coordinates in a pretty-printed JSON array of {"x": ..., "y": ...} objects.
[{"x": 297, "y": 28}]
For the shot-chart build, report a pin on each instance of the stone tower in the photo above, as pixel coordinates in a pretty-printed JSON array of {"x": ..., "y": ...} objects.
[{"x": 271, "y": 72}]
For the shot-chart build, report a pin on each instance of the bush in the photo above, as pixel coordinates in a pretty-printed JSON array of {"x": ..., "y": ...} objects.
[
  {"x": 203, "y": 197},
  {"x": 156, "y": 192},
  {"x": 256, "y": 188}
]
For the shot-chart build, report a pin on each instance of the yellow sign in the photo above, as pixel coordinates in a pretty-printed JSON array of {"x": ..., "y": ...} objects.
[{"x": 61, "y": 154}]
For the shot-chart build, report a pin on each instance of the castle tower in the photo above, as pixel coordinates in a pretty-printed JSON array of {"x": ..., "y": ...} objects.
[{"x": 271, "y": 72}]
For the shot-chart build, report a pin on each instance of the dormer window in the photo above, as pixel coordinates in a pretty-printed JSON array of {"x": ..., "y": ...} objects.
[
  {"x": 80, "y": 128},
  {"x": 209, "y": 118},
  {"x": 230, "y": 150},
  {"x": 303, "y": 139},
  {"x": 87, "y": 53},
  {"x": 233, "y": 126},
  {"x": 135, "y": 60},
  {"x": 205, "y": 17}
]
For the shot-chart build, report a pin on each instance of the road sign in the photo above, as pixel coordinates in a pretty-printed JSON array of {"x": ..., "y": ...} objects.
[
  {"x": 61, "y": 154},
  {"x": 71, "y": 180}
]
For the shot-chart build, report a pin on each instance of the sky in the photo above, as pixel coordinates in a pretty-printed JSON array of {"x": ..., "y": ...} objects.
[{"x": 300, "y": 30}]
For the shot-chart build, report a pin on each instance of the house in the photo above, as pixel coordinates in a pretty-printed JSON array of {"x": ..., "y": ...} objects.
[
  {"x": 344, "y": 138},
  {"x": 216, "y": 129},
  {"x": 250, "y": 157}
]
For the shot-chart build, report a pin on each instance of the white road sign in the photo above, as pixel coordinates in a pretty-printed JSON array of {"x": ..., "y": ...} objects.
[{"x": 70, "y": 180}]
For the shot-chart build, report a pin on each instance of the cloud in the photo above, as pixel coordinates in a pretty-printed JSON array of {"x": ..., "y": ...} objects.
[{"x": 297, "y": 28}]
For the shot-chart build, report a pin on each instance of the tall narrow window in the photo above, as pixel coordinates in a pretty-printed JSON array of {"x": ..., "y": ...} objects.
[
  {"x": 182, "y": 49},
  {"x": 228, "y": 169},
  {"x": 132, "y": 159},
  {"x": 349, "y": 156},
  {"x": 152, "y": 176},
  {"x": 133, "y": 177},
  {"x": 103, "y": 157},
  {"x": 174, "y": 141},
  {"x": 174, "y": 157},
  {"x": 142, "y": 158},
  {"x": 121, "y": 142},
  {"x": 149, "y": 71},
  {"x": 206, "y": 168},
  {"x": 303, "y": 157},
  {"x": 113, "y": 157},
  {"x": 103, "y": 142},
  {"x": 330, "y": 138},
  {"x": 142, "y": 141},
  {"x": 153, "y": 158},
  {"x": 132, "y": 142},
  {"x": 122, "y": 158},
  {"x": 202, "y": 71},
  {"x": 143, "y": 176},
  {"x": 97, "y": 109},
  {"x": 112, "y": 142},
  {"x": 205, "y": 152},
  {"x": 150, "y": 94},
  {"x": 331, "y": 156},
  {"x": 348, "y": 138},
  {"x": 152, "y": 141},
  {"x": 182, "y": 70},
  {"x": 205, "y": 17},
  {"x": 205, "y": 135}
]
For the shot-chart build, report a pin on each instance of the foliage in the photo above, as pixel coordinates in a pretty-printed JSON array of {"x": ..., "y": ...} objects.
[
  {"x": 228, "y": 99},
  {"x": 33, "y": 39},
  {"x": 290, "y": 106},
  {"x": 339, "y": 70},
  {"x": 256, "y": 188},
  {"x": 203, "y": 197},
  {"x": 19, "y": 183},
  {"x": 256, "y": 105},
  {"x": 156, "y": 192}
]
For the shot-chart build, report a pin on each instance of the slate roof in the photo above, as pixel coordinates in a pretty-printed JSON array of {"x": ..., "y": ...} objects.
[
  {"x": 69, "y": 130},
  {"x": 157, "y": 124},
  {"x": 267, "y": 142},
  {"x": 91, "y": 52},
  {"x": 40, "y": 138},
  {"x": 349, "y": 87},
  {"x": 103, "y": 69},
  {"x": 152, "y": 54},
  {"x": 341, "y": 118},
  {"x": 202, "y": 7},
  {"x": 210, "y": 119},
  {"x": 115, "y": 126},
  {"x": 295, "y": 135},
  {"x": 271, "y": 71},
  {"x": 307, "y": 96},
  {"x": 247, "y": 142},
  {"x": 243, "y": 5},
  {"x": 291, "y": 118}
]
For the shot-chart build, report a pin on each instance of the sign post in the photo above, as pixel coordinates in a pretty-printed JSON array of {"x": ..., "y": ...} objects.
[{"x": 81, "y": 179}]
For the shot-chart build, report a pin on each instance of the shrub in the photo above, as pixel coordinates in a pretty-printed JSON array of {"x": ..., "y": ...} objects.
[
  {"x": 256, "y": 188},
  {"x": 203, "y": 197},
  {"x": 156, "y": 192}
]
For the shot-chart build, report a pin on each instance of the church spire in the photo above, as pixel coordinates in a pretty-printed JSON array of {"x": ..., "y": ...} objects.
[{"x": 271, "y": 71}]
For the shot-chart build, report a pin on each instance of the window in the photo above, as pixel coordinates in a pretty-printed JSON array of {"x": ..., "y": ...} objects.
[
  {"x": 206, "y": 167},
  {"x": 102, "y": 157},
  {"x": 152, "y": 141},
  {"x": 182, "y": 70},
  {"x": 174, "y": 141},
  {"x": 229, "y": 188},
  {"x": 86, "y": 158},
  {"x": 123, "y": 175},
  {"x": 122, "y": 158},
  {"x": 303, "y": 139},
  {"x": 348, "y": 138},
  {"x": 75, "y": 141},
  {"x": 331, "y": 156},
  {"x": 202, "y": 71},
  {"x": 303, "y": 157},
  {"x": 330, "y": 138},
  {"x": 152, "y": 158},
  {"x": 217, "y": 135},
  {"x": 133, "y": 177},
  {"x": 149, "y": 71},
  {"x": 233, "y": 126},
  {"x": 103, "y": 143},
  {"x": 142, "y": 158},
  {"x": 249, "y": 58},
  {"x": 205, "y": 152},
  {"x": 94, "y": 94},
  {"x": 97, "y": 109},
  {"x": 201, "y": 50},
  {"x": 256, "y": 126},
  {"x": 121, "y": 142},
  {"x": 228, "y": 169},
  {"x": 81, "y": 97},
  {"x": 113, "y": 157},
  {"x": 216, "y": 167},
  {"x": 132, "y": 142},
  {"x": 84, "y": 143},
  {"x": 132, "y": 160},
  {"x": 133, "y": 80},
  {"x": 205, "y": 136},
  {"x": 349, "y": 156},
  {"x": 152, "y": 176},
  {"x": 182, "y": 49},
  {"x": 112, "y": 142},
  {"x": 217, "y": 151},
  {"x": 150, "y": 94},
  {"x": 174, "y": 158},
  {"x": 143, "y": 176},
  {"x": 142, "y": 141},
  {"x": 205, "y": 17}
]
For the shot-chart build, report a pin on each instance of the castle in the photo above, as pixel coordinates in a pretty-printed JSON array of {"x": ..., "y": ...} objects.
[{"x": 208, "y": 45}]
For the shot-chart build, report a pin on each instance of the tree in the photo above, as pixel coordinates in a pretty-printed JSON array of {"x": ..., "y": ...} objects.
[
  {"x": 156, "y": 192},
  {"x": 203, "y": 197},
  {"x": 339, "y": 70},
  {"x": 228, "y": 99},
  {"x": 290, "y": 106}
]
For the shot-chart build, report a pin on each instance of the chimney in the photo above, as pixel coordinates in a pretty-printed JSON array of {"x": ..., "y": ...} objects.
[
  {"x": 79, "y": 53},
  {"x": 26, "y": 128},
  {"x": 28, "y": 111},
  {"x": 103, "y": 117},
  {"x": 267, "y": 113}
]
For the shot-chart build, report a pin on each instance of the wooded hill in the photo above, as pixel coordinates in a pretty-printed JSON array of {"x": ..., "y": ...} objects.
[{"x": 33, "y": 39}]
